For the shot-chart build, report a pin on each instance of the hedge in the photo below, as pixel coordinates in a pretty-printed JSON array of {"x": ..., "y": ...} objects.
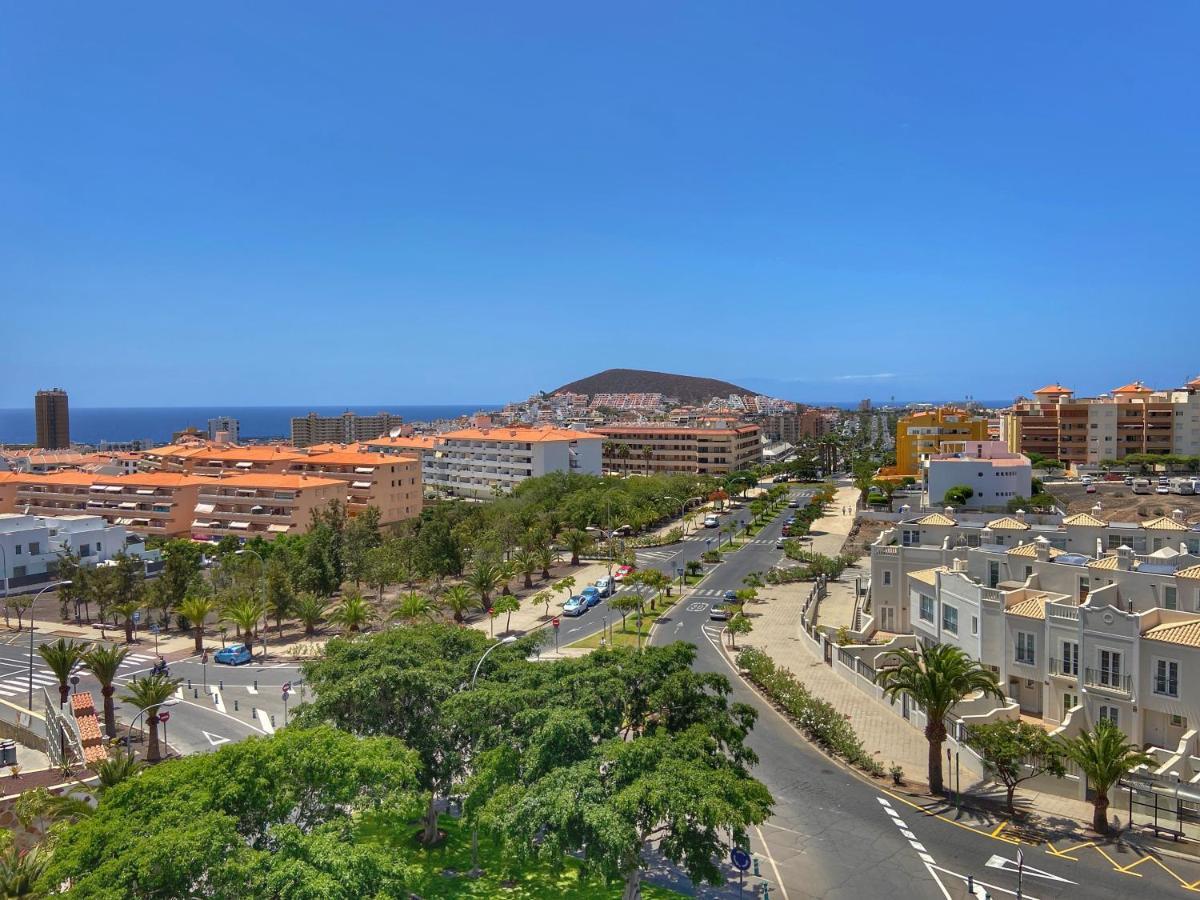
[{"x": 819, "y": 719}]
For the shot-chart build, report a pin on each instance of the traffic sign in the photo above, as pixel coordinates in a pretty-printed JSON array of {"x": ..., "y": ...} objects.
[
  {"x": 740, "y": 859},
  {"x": 556, "y": 623},
  {"x": 287, "y": 686},
  {"x": 137, "y": 617},
  {"x": 164, "y": 716},
  {"x": 154, "y": 629}
]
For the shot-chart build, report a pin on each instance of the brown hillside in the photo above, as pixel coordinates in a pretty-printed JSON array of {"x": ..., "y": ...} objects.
[{"x": 687, "y": 388}]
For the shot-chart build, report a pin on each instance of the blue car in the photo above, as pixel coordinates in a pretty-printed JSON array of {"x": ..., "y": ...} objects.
[
  {"x": 234, "y": 655},
  {"x": 591, "y": 595},
  {"x": 731, "y": 595},
  {"x": 575, "y": 606}
]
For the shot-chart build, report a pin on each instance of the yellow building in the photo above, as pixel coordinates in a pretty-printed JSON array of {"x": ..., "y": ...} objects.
[{"x": 920, "y": 434}]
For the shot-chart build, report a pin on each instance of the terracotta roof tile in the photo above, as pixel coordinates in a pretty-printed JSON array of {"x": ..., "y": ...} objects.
[
  {"x": 1030, "y": 550},
  {"x": 927, "y": 576},
  {"x": 1164, "y": 523},
  {"x": 1030, "y": 608},
  {"x": 1008, "y": 523},
  {"x": 1084, "y": 520},
  {"x": 936, "y": 519},
  {"x": 1186, "y": 633},
  {"x": 1191, "y": 572}
]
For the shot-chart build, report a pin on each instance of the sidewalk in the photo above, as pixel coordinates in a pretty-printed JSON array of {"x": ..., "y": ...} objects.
[{"x": 533, "y": 615}]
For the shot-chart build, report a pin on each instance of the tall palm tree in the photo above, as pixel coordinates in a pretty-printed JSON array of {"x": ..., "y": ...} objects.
[
  {"x": 508, "y": 571},
  {"x": 61, "y": 657},
  {"x": 546, "y": 557},
  {"x": 458, "y": 599},
  {"x": 196, "y": 610},
  {"x": 1103, "y": 755},
  {"x": 484, "y": 577},
  {"x": 148, "y": 694},
  {"x": 310, "y": 610},
  {"x": 124, "y": 612},
  {"x": 244, "y": 614},
  {"x": 353, "y": 613},
  {"x": 526, "y": 562},
  {"x": 414, "y": 606},
  {"x": 104, "y": 663},
  {"x": 577, "y": 541},
  {"x": 936, "y": 679}
]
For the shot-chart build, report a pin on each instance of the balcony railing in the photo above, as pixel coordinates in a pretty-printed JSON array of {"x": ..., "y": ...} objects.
[
  {"x": 1061, "y": 667},
  {"x": 1105, "y": 678}
]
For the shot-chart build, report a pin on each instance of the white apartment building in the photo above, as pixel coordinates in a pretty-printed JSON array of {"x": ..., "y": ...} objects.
[
  {"x": 1081, "y": 619},
  {"x": 475, "y": 462},
  {"x": 30, "y": 546},
  {"x": 989, "y": 468}
]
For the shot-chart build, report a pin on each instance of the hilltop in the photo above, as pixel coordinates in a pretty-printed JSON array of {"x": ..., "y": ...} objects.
[{"x": 686, "y": 388}]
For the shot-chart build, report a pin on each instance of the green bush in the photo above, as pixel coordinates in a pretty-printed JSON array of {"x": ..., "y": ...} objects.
[{"x": 819, "y": 719}]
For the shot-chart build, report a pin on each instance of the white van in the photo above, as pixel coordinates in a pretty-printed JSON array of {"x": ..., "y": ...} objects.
[
  {"x": 711, "y": 521},
  {"x": 604, "y": 585},
  {"x": 1142, "y": 486}
]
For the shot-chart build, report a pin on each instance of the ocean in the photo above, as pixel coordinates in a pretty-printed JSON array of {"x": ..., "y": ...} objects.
[{"x": 157, "y": 424}]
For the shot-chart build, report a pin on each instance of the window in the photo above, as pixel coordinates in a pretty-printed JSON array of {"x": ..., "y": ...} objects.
[
  {"x": 974, "y": 625},
  {"x": 1110, "y": 668},
  {"x": 1070, "y": 658},
  {"x": 1178, "y": 721},
  {"x": 1170, "y": 597},
  {"x": 910, "y": 537},
  {"x": 35, "y": 548},
  {"x": 1025, "y": 653},
  {"x": 85, "y": 549},
  {"x": 926, "y": 608},
  {"x": 18, "y": 547},
  {"x": 950, "y": 619},
  {"x": 887, "y": 577},
  {"x": 1111, "y": 713},
  {"x": 993, "y": 573},
  {"x": 1166, "y": 677},
  {"x": 18, "y": 572},
  {"x": 1070, "y": 701},
  {"x": 1028, "y": 572}
]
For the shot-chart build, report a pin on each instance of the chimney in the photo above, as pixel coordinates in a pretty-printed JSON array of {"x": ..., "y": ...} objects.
[
  {"x": 986, "y": 535},
  {"x": 960, "y": 565},
  {"x": 1099, "y": 548},
  {"x": 1096, "y": 510},
  {"x": 1177, "y": 515},
  {"x": 949, "y": 510},
  {"x": 1124, "y": 558},
  {"x": 1043, "y": 548},
  {"x": 1020, "y": 515}
]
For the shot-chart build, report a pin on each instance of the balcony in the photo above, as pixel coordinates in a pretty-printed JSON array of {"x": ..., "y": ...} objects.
[
  {"x": 1109, "y": 680},
  {"x": 1063, "y": 669}
]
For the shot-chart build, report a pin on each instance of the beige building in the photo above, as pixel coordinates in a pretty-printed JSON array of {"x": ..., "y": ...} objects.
[
  {"x": 665, "y": 449},
  {"x": 260, "y": 505},
  {"x": 344, "y": 429}
]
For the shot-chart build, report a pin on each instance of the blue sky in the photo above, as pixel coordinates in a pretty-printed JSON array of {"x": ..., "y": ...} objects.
[{"x": 361, "y": 203}]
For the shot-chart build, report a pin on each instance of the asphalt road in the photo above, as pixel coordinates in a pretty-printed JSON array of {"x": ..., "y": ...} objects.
[{"x": 835, "y": 835}]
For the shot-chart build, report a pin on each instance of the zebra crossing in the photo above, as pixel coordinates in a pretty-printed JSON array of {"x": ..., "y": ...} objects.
[
  {"x": 711, "y": 593},
  {"x": 656, "y": 555},
  {"x": 17, "y": 684}
]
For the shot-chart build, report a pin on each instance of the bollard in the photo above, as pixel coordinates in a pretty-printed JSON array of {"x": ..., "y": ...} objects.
[
  {"x": 272, "y": 720},
  {"x": 221, "y": 685},
  {"x": 195, "y": 693},
  {"x": 766, "y": 891},
  {"x": 757, "y": 873},
  {"x": 189, "y": 684},
  {"x": 254, "y": 712},
  {"x": 256, "y": 684},
  {"x": 971, "y": 885},
  {"x": 215, "y": 698},
  {"x": 235, "y": 704}
]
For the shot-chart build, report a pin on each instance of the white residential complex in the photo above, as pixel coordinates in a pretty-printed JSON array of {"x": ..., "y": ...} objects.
[
  {"x": 478, "y": 462},
  {"x": 989, "y": 468},
  {"x": 1081, "y": 618},
  {"x": 30, "y": 546}
]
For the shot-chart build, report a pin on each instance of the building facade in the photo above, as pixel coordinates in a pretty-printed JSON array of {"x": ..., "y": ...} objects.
[
  {"x": 666, "y": 449},
  {"x": 224, "y": 430},
  {"x": 989, "y": 468},
  {"x": 479, "y": 462},
  {"x": 260, "y": 505},
  {"x": 926, "y": 433},
  {"x": 30, "y": 546},
  {"x": 53, "y": 419},
  {"x": 344, "y": 429}
]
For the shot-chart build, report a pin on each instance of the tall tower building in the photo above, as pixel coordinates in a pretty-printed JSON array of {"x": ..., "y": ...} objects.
[{"x": 53, "y": 419}]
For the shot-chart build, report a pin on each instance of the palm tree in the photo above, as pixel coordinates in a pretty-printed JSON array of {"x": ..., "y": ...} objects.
[
  {"x": 936, "y": 679},
  {"x": 414, "y": 606},
  {"x": 577, "y": 541},
  {"x": 623, "y": 453},
  {"x": 196, "y": 610},
  {"x": 647, "y": 455},
  {"x": 310, "y": 610},
  {"x": 61, "y": 657},
  {"x": 546, "y": 557},
  {"x": 244, "y": 613},
  {"x": 508, "y": 571},
  {"x": 353, "y": 613},
  {"x": 112, "y": 771},
  {"x": 104, "y": 663},
  {"x": 124, "y": 611},
  {"x": 148, "y": 694},
  {"x": 21, "y": 870},
  {"x": 484, "y": 577},
  {"x": 526, "y": 563},
  {"x": 1103, "y": 755},
  {"x": 458, "y": 599}
]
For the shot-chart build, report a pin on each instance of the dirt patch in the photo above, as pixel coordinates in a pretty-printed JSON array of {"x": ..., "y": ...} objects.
[{"x": 1118, "y": 502}]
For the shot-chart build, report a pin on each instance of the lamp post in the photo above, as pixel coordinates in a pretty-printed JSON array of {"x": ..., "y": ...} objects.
[
  {"x": 4, "y": 569},
  {"x": 53, "y": 584},
  {"x": 262, "y": 568}
]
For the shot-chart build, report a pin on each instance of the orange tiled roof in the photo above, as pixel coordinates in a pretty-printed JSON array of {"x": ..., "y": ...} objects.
[
  {"x": 1106, "y": 563},
  {"x": 347, "y": 458},
  {"x": 1164, "y": 523},
  {"x": 1134, "y": 387},
  {"x": 1191, "y": 572},
  {"x": 424, "y": 441},
  {"x": 271, "y": 482},
  {"x": 1008, "y": 523},
  {"x": 936, "y": 519},
  {"x": 1055, "y": 389},
  {"x": 1029, "y": 608},
  {"x": 519, "y": 433},
  {"x": 1084, "y": 520},
  {"x": 1186, "y": 633},
  {"x": 1030, "y": 550}
]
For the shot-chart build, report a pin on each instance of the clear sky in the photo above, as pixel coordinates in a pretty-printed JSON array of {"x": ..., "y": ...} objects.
[{"x": 261, "y": 203}]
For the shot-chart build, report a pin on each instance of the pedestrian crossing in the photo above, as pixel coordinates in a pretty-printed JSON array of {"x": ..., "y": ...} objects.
[
  {"x": 713, "y": 593},
  {"x": 656, "y": 555},
  {"x": 17, "y": 684}
]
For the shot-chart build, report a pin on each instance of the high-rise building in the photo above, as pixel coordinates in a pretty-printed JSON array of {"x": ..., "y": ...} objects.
[
  {"x": 923, "y": 433},
  {"x": 347, "y": 428},
  {"x": 223, "y": 429},
  {"x": 53, "y": 419}
]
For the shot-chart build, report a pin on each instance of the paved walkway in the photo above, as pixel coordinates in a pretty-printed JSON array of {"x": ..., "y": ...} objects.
[
  {"x": 887, "y": 736},
  {"x": 533, "y": 615}
]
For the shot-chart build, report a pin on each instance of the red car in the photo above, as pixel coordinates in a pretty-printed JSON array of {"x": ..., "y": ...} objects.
[{"x": 622, "y": 572}]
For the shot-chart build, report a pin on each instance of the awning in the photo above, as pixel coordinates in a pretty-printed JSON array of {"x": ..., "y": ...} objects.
[
  {"x": 114, "y": 488},
  {"x": 363, "y": 485},
  {"x": 97, "y": 487},
  {"x": 139, "y": 522},
  {"x": 146, "y": 492},
  {"x": 278, "y": 529},
  {"x": 123, "y": 522},
  {"x": 364, "y": 470},
  {"x": 200, "y": 523},
  {"x": 128, "y": 504},
  {"x": 244, "y": 465},
  {"x": 241, "y": 525},
  {"x": 204, "y": 507}
]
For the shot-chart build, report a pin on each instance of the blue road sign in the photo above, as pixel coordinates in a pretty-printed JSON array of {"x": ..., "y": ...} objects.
[
  {"x": 740, "y": 859},
  {"x": 154, "y": 629},
  {"x": 137, "y": 617}
]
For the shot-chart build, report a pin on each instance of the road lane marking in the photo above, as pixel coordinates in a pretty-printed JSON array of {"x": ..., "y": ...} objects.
[
  {"x": 215, "y": 739},
  {"x": 1009, "y": 865},
  {"x": 771, "y": 859},
  {"x": 265, "y": 721},
  {"x": 251, "y": 689}
]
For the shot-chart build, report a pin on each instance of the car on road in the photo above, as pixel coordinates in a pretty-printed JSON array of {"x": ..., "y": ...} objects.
[
  {"x": 622, "y": 572},
  {"x": 712, "y": 522},
  {"x": 719, "y": 611},
  {"x": 604, "y": 585},
  {"x": 731, "y": 596},
  {"x": 591, "y": 595},
  {"x": 1162, "y": 489},
  {"x": 575, "y": 606},
  {"x": 793, "y": 504},
  {"x": 234, "y": 655},
  {"x": 779, "y": 544},
  {"x": 1129, "y": 479},
  {"x": 1090, "y": 489}
]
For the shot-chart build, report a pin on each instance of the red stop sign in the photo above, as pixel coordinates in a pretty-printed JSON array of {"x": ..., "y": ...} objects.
[
  {"x": 556, "y": 621},
  {"x": 164, "y": 716}
]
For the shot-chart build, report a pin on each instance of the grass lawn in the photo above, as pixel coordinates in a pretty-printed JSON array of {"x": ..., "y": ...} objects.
[
  {"x": 626, "y": 636},
  {"x": 444, "y": 868}
]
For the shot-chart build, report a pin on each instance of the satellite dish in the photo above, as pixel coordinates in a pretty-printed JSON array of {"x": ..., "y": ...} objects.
[{"x": 395, "y": 432}]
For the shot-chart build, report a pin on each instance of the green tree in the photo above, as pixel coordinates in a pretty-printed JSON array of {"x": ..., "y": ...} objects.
[
  {"x": 354, "y": 613},
  {"x": 1014, "y": 751},
  {"x": 458, "y": 599},
  {"x": 70, "y": 570},
  {"x": 484, "y": 577},
  {"x": 959, "y": 495},
  {"x": 270, "y": 817},
  {"x": 384, "y": 566},
  {"x": 526, "y": 563},
  {"x": 280, "y": 594},
  {"x": 566, "y": 585},
  {"x": 625, "y": 604},
  {"x": 244, "y": 614},
  {"x": 543, "y": 597},
  {"x": 361, "y": 536},
  {"x": 507, "y": 605},
  {"x": 414, "y": 607},
  {"x": 1103, "y": 755},
  {"x": 577, "y": 542},
  {"x": 936, "y": 678},
  {"x": 124, "y": 611},
  {"x": 546, "y": 557},
  {"x": 196, "y": 610},
  {"x": 181, "y": 564},
  {"x": 148, "y": 694},
  {"x": 60, "y": 658},
  {"x": 21, "y": 871},
  {"x": 738, "y": 624},
  {"x": 104, "y": 663},
  {"x": 311, "y": 611}
]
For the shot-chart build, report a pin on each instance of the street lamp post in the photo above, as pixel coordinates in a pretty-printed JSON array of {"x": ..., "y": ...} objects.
[
  {"x": 53, "y": 584},
  {"x": 4, "y": 568},
  {"x": 262, "y": 568}
]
